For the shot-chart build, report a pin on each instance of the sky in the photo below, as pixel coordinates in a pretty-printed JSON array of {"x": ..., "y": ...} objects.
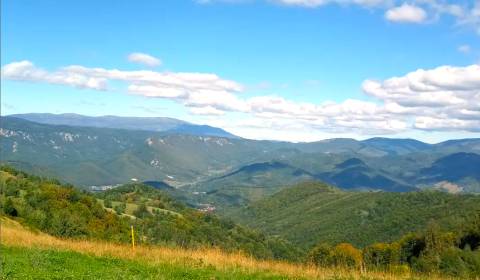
[{"x": 294, "y": 70}]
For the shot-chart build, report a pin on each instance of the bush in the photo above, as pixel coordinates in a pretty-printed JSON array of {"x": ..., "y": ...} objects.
[
  {"x": 344, "y": 254},
  {"x": 9, "y": 208},
  {"x": 120, "y": 208},
  {"x": 107, "y": 203},
  {"x": 410, "y": 247},
  {"x": 381, "y": 255},
  {"x": 141, "y": 211},
  {"x": 320, "y": 255}
]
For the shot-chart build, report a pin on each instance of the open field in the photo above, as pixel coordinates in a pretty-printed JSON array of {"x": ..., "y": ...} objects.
[
  {"x": 131, "y": 207},
  {"x": 35, "y": 255}
]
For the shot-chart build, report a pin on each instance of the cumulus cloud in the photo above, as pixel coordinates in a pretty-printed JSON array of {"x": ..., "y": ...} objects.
[
  {"x": 445, "y": 98},
  {"x": 145, "y": 59},
  {"x": 466, "y": 12},
  {"x": 406, "y": 13},
  {"x": 27, "y": 71}
]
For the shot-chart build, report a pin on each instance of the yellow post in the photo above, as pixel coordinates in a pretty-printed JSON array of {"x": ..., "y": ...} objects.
[{"x": 133, "y": 238}]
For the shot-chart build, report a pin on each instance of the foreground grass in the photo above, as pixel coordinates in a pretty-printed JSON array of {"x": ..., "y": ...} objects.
[
  {"x": 30, "y": 255},
  {"x": 27, "y": 263}
]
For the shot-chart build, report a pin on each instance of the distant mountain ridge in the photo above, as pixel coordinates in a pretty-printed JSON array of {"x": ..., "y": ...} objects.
[
  {"x": 232, "y": 167},
  {"x": 164, "y": 124},
  {"x": 356, "y": 174}
]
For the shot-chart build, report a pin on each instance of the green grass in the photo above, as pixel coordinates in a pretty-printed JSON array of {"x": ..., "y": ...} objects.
[
  {"x": 131, "y": 207},
  {"x": 23, "y": 263}
]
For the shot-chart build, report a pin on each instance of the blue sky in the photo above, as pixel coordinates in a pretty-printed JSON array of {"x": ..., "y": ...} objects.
[{"x": 309, "y": 57}]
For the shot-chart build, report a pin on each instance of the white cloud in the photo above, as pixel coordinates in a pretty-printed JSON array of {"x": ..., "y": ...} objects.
[
  {"x": 439, "y": 124},
  {"x": 206, "y": 111},
  {"x": 464, "y": 48},
  {"x": 406, "y": 13},
  {"x": 145, "y": 59},
  {"x": 466, "y": 12},
  {"x": 445, "y": 98},
  {"x": 26, "y": 71}
]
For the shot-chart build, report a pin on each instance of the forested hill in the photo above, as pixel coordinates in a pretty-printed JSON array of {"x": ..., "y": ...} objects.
[
  {"x": 65, "y": 211},
  {"x": 313, "y": 212}
]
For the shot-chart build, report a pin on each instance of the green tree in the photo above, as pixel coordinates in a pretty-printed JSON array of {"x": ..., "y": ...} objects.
[
  {"x": 9, "y": 208},
  {"x": 320, "y": 255},
  {"x": 381, "y": 255},
  {"x": 120, "y": 208},
  {"x": 141, "y": 211},
  {"x": 107, "y": 203}
]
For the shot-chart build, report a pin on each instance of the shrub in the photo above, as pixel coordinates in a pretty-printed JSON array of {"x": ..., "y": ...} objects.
[
  {"x": 344, "y": 254},
  {"x": 120, "y": 208},
  {"x": 410, "y": 247},
  {"x": 107, "y": 203},
  {"x": 381, "y": 255},
  {"x": 320, "y": 255},
  {"x": 9, "y": 208}
]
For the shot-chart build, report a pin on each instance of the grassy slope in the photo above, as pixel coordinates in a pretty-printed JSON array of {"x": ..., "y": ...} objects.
[
  {"x": 23, "y": 263},
  {"x": 29, "y": 255},
  {"x": 313, "y": 212}
]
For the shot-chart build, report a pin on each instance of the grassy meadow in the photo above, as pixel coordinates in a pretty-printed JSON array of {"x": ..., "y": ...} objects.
[{"x": 27, "y": 254}]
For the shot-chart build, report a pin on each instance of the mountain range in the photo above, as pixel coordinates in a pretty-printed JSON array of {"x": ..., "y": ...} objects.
[
  {"x": 222, "y": 168},
  {"x": 168, "y": 125}
]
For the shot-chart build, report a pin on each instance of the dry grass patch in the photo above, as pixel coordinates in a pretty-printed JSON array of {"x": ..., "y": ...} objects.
[{"x": 13, "y": 234}]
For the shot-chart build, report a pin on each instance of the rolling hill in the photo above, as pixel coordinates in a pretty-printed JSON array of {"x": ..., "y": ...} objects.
[
  {"x": 354, "y": 174},
  {"x": 455, "y": 170},
  {"x": 249, "y": 183},
  {"x": 314, "y": 212}
]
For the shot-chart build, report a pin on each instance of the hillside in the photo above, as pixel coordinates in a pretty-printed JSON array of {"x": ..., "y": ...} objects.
[
  {"x": 113, "y": 156},
  {"x": 59, "y": 258},
  {"x": 456, "y": 169},
  {"x": 246, "y": 184},
  {"x": 313, "y": 212},
  {"x": 67, "y": 212},
  {"x": 357, "y": 175}
]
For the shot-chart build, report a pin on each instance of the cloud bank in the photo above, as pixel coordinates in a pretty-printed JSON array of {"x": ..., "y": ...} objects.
[{"x": 445, "y": 98}]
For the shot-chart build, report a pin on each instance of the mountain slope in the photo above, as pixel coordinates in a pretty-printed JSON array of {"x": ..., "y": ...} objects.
[
  {"x": 313, "y": 212},
  {"x": 112, "y": 156},
  {"x": 397, "y": 146},
  {"x": 460, "y": 169},
  {"x": 454, "y": 167},
  {"x": 249, "y": 183},
  {"x": 356, "y": 174}
]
